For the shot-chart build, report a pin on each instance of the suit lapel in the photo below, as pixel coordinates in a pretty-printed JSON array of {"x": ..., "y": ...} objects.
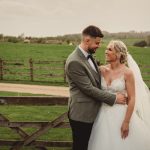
[
  {"x": 99, "y": 76},
  {"x": 96, "y": 75}
]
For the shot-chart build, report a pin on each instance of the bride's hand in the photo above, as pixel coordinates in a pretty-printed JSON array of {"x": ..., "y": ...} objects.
[{"x": 124, "y": 130}]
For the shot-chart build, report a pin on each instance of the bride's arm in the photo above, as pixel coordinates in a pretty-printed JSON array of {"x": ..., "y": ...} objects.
[{"x": 130, "y": 87}]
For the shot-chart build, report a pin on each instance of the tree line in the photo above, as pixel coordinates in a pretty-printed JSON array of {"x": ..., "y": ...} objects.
[{"x": 74, "y": 39}]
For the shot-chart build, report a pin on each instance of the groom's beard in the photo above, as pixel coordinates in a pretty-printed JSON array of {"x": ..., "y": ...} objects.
[{"x": 91, "y": 51}]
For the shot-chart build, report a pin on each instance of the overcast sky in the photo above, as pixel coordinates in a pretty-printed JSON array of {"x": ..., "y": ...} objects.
[{"x": 59, "y": 17}]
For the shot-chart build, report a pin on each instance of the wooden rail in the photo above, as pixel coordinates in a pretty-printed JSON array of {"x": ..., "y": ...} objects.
[
  {"x": 43, "y": 70},
  {"x": 42, "y": 127},
  {"x": 32, "y": 70}
]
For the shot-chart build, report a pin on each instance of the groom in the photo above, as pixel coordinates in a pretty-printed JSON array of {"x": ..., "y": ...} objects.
[{"x": 86, "y": 95}]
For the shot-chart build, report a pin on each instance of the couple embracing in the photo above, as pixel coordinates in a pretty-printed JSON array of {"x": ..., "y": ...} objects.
[{"x": 109, "y": 105}]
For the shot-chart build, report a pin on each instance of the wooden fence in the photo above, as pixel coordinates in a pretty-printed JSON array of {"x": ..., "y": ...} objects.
[
  {"x": 32, "y": 70},
  {"x": 37, "y": 70},
  {"x": 43, "y": 127}
]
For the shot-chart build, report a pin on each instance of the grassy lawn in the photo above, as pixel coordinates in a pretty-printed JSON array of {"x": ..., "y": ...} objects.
[
  {"x": 4, "y": 93},
  {"x": 42, "y": 52},
  {"x": 8, "y": 148}
]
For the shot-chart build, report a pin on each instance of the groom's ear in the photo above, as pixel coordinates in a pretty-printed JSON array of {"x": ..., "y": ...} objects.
[{"x": 87, "y": 39}]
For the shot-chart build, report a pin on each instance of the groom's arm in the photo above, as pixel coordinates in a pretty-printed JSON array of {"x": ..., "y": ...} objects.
[{"x": 77, "y": 73}]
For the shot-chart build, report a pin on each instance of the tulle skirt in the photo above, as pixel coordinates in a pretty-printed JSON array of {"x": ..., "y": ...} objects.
[{"x": 106, "y": 132}]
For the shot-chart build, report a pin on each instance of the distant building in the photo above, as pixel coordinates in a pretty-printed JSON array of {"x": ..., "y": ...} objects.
[
  {"x": 26, "y": 41},
  {"x": 70, "y": 43}
]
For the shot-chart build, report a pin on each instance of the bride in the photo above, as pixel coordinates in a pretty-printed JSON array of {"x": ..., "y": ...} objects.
[{"x": 122, "y": 127}]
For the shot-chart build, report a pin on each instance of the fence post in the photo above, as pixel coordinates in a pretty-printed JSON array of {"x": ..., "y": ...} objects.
[
  {"x": 64, "y": 71},
  {"x": 31, "y": 68},
  {"x": 1, "y": 69}
]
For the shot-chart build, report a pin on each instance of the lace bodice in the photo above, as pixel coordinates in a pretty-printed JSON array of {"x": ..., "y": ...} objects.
[{"x": 117, "y": 85}]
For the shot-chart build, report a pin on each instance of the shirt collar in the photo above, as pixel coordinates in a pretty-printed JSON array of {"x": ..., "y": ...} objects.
[{"x": 84, "y": 52}]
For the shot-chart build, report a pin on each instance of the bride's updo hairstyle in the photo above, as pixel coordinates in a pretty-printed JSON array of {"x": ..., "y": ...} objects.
[{"x": 121, "y": 49}]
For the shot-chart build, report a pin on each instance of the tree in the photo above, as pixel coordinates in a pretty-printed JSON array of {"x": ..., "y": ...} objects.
[
  {"x": 148, "y": 40},
  {"x": 1, "y": 37},
  {"x": 140, "y": 43},
  {"x": 13, "y": 39}
]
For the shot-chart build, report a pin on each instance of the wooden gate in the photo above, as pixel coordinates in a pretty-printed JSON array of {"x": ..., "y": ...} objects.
[{"x": 43, "y": 127}]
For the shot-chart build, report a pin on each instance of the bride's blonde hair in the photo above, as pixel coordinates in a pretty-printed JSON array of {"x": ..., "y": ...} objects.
[{"x": 120, "y": 48}]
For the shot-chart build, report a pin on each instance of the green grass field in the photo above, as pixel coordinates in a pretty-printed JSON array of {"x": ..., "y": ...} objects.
[
  {"x": 4, "y": 93},
  {"x": 42, "y": 52}
]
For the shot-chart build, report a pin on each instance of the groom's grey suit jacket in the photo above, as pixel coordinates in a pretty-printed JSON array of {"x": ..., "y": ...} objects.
[{"x": 86, "y": 95}]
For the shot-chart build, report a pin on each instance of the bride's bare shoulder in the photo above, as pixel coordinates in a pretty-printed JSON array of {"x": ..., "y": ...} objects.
[
  {"x": 104, "y": 68},
  {"x": 128, "y": 73}
]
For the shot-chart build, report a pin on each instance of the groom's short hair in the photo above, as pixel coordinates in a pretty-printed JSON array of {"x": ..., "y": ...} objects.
[{"x": 92, "y": 31}]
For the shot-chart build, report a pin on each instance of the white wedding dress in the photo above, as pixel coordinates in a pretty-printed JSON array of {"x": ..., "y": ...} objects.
[{"x": 106, "y": 132}]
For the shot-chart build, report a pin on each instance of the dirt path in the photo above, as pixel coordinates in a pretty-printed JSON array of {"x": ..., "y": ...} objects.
[{"x": 35, "y": 89}]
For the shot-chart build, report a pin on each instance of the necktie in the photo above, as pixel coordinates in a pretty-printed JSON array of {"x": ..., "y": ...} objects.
[{"x": 91, "y": 57}]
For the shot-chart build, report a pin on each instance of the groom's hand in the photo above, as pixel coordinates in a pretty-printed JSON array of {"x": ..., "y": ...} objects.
[{"x": 121, "y": 98}]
